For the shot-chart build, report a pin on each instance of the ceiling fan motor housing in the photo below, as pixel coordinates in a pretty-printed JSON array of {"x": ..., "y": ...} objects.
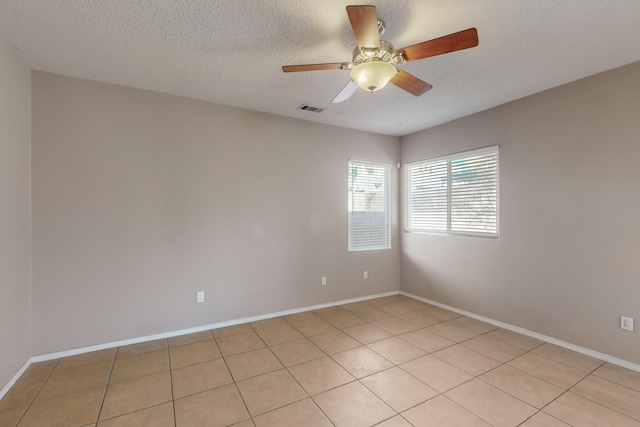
[{"x": 386, "y": 53}]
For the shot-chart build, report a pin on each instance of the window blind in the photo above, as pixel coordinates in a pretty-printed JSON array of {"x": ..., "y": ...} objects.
[
  {"x": 368, "y": 206},
  {"x": 454, "y": 194}
]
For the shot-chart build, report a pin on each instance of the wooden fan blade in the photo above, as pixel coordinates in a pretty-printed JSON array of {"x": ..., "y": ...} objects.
[
  {"x": 410, "y": 83},
  {"x": 315, "y": 67},
  {"x": 364, "y": 21},
  {"x": 456, "y": 41},
  {"x": 346, "y": 92}
]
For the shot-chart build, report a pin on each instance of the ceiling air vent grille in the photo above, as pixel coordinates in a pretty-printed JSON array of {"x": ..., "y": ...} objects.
[{"x": 310, "y": 108}]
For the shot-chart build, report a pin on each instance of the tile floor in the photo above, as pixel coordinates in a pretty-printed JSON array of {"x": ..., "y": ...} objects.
[{"x": 389, "y": 362}]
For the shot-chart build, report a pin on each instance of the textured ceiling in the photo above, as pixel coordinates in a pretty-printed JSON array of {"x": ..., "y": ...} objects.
[{"x": 230, "y": 51}]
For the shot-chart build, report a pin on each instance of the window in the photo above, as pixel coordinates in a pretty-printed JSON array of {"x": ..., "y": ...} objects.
[
  {"x": 454, "y": 194},
  {"x": 369, "y": 218}
]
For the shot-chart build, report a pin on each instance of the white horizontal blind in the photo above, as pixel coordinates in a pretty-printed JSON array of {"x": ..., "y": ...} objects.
[
  {"x": 474, "y": 193},
  {"x": 454, "y": 194},
  {"x": 427, "y": 195},
  {"x": 369, "y": 216}
]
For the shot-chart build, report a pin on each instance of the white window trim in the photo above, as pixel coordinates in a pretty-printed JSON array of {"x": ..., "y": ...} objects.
[{"x": 494, "y": 149}]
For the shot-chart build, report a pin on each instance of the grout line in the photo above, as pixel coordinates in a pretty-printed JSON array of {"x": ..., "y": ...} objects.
[
  {"x": 556, "y": 398},
  {"x": 308, "y": 396},
  {"x": 522, "y": 331},
  {"x": 478, "y": 377},
  {"x": 38, "y": 392},
  {"x": 565, "y": 391},
  {"x": 104, "y": 396},
  {"x": 473, "y": 377},
  {"x": 235, "y": 384},
  {"x": 542, "y": 379},
  {"x": 601, "y": 403},
  {"x": 330, "y": 356},
  {"x": 549, "y": 415},
  {"x": 173, "y": 397},
  {"x": 321, "y": 411},
  {"x": 203, "y": 328},
  {"x": 568, "y": 390},
  {"x": 529, "y": 417}
]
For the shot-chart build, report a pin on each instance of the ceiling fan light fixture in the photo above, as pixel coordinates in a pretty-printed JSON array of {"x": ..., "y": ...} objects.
[{"x": 374, "y": 75}]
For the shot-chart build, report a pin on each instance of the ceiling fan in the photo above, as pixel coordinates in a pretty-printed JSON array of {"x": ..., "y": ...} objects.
[{"x": 373, "y": 63}]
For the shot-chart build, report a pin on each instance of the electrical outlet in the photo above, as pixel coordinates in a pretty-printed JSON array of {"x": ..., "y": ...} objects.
[
  {"x": 626, "y": 323},
  {"x": 324, "y": 281},
  {"x": 200, "y": 296},
  {"x": 365, "y": 275}
]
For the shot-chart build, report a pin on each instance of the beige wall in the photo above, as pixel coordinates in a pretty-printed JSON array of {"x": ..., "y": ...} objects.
[
  {"x": 141, "y": 199},
  {"x": 567, "y": 263},
  {"x": 15, "y": 195}
]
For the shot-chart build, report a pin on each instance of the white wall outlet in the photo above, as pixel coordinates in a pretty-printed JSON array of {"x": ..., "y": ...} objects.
[
  {"x": 626, "y": 323},
  {"x": 200, "y": 296},
  {"x": 365, "y": 275},
  {"x": 324, "y": 281}
]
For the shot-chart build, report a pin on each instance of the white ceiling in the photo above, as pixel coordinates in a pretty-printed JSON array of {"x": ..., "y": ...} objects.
[{"x": 230, "y": 51}]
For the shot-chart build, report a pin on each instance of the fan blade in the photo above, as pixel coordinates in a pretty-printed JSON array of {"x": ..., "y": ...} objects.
[
  {"x": 364, "y": 22},
  {"x": 410, "y": 83},
  {"x": 314, "y": 67},
  {"x": 456, "y": 41},
  {"x": 346, "y": 92}
]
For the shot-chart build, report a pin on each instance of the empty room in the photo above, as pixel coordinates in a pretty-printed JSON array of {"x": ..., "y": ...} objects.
[{"x": 290, "y": 213}]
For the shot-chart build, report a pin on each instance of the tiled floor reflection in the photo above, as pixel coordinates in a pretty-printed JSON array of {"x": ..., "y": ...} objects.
[{"x": 386, "y": 362}]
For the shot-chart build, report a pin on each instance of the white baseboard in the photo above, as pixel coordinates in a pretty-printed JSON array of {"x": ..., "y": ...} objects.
[
  {"x": 76, "y": 351},
  {"x": 73, "y": 352},
  {"x": 545, "y": 338},
  {"x": 15, "y": 378}
]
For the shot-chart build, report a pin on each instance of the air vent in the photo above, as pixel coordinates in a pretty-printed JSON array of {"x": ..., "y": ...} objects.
[{"x": 310, "y": 108}]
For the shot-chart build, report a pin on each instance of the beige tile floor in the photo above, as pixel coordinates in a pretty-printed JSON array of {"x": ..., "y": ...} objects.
[{"x": 389, "y": 362}]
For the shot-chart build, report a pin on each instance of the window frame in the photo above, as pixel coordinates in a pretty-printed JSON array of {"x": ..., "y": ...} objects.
[
  {"x": 407, "y": 226},
  {"x": 386, "y": 245}
]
